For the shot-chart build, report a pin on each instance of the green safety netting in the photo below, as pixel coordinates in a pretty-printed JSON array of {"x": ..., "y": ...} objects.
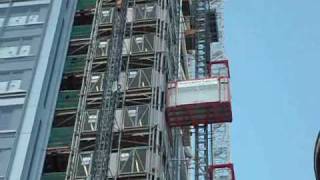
[
  {"x": 75, "y": 64},
  {"x": 54, "y": 176},
  {"x": 82, "y": 31},
  {"x": 68, "y": 99},
  {"x": 60, "y": 137},
  {"x": 86, "y": 4}
]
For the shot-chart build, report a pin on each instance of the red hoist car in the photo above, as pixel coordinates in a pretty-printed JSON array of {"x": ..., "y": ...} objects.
[{"x": 200, "y": 101}]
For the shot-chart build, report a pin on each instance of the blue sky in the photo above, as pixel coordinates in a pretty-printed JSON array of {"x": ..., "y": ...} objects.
[{"x": 274, "y": 49}]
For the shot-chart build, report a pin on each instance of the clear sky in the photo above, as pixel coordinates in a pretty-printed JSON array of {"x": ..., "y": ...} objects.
[{"x": 274, "y": 49}]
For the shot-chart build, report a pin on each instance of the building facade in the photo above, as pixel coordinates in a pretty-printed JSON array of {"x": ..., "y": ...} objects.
[
  {"x": 59, "y": 67},
  {"x": 317, "y": 158},
  {"x": 142, "y": 147},
  {"x": 32, "y": 51}
]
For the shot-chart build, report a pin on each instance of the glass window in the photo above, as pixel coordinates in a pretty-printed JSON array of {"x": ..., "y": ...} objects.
[
  {"x": 26, "y": 15},
  {"x": 10, "y": 117},
  {"x": 1, "y": 21},
  {"x": 25, "y": 50},
  {"x": 3, "y": 86},
  {"x": 8, "y": 86},
  {"x": 7, "y": 52},
  {"x": 18, "y": 47},
  {"x": 15, "y": 80},
  {"x": 33, "y": 19},
  {"x": 5, "y": 153},
  {"x": 4, "y": 161},
  {"x": 14, "y": 85},
  {"x": 17, "y": 20}
]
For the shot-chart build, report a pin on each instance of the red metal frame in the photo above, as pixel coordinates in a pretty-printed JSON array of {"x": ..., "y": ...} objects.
[
  {"x": 199, "y": 113},
  {"x": 204, "y": 113},
  {"x": 225, "y": 62},
  {"x": 229, "y": 166}
]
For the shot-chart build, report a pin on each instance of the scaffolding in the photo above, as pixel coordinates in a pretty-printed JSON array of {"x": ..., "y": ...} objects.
[
  {"x": 60, "y": 143},
  {"x": 113, "y": 117},
  {"x": 129, "y": 129}
]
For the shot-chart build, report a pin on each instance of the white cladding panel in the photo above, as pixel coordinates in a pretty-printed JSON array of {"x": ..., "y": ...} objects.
[
  {"x": 130, "y": 14},
  {"x": 118, "y": 124},
  {"x": 113, "y": 165}
]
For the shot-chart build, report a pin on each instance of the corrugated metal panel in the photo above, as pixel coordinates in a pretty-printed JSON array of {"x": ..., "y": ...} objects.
[
  {"x": 68, "y": 99},
  {"x": 60, "y": 137},
  {"x": 54, "y": 176}
]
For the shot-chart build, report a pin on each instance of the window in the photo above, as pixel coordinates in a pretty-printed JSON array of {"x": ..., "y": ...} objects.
[
  {"x": 17, "y": 20},
  {"x": 15, "y": 81},
  {"x": 5, "y": 153},
  {"x": 10, "y": 86},
  {"x": 3, "y": 86},
  {"x": 10, "y": 118},
  {"x": 4, "y": 161},
  {"x": 16, "y": 48},
  {"x": 1, "y": 21},
  {"x": 26, "y": 16},
  {"x": 14, "y": 85},
  {"x": 33, "y": 18},
  {"x": 6, "y": 52}
]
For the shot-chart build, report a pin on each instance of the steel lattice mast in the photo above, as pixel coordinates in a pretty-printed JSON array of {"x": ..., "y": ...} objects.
[
  {"x": 212, "y": 142},
  {"x": 110, "y": 95}
]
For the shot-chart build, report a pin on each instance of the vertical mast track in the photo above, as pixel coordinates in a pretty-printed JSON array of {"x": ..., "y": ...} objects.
[{"x": 111, "y": 92}]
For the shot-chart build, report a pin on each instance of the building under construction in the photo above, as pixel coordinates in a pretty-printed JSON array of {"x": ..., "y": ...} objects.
[{"x": 144, "y": 91}]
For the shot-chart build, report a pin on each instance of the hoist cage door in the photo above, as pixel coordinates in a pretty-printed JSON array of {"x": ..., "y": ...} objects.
[
  {"x": 147, "y": 11},
  {"x": 142, "y": 43},
  {"x": 102, "y": 47},
  {"x": 132, "y": 161},
  {"x": 132, "y": 117},
  {"x": 90, "y": 120},
  {"x": 139, "y": 78},
  {"x": 138, "y": 44},
  {"x": 201, "y": 101},
  {"x": 106, "y": 15},
  {"x": 221, "y": 172},
  {"x": 96, "y": 82},
  {"x": 84, "y": 165}
]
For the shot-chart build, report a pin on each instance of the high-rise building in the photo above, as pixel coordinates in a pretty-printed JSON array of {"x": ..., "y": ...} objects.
[
  {"x": 317, "y": 158},
  {"x": 33, "y": 46},
  {"x": 114, "y": 89}
]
